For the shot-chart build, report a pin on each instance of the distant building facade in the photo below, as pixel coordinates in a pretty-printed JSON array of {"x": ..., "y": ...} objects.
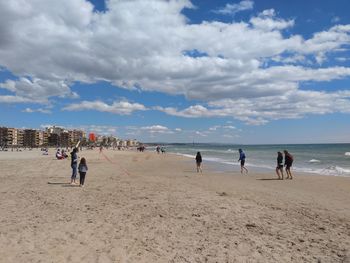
[{"x": 56, "y": 137}]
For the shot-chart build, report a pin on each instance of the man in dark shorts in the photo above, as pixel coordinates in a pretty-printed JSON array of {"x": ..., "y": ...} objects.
[
  {"x": 279, "y": 167},
  {"x": 288, "y": 161},
  {"x": 242, "y": 159}
]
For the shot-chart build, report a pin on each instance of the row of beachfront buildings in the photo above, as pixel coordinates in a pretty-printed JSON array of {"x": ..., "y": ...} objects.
[{"x": 56, "y": 137}]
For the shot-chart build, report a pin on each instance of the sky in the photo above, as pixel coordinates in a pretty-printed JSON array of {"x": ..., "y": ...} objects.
[{"x": 241, "y": 72}]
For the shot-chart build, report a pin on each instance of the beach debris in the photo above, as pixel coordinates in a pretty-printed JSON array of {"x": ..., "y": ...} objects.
[
  {"x": 222, "y": 193},
  {"x": 250, "y": 225},
  {"x": 196, "y": 215}
]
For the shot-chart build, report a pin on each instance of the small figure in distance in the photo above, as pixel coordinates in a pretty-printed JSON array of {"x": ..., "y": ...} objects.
[
  {"x": 279, "y": 167},
  {"x": 288, "y": 161},
  {"x": 63, "y": 153},
  {"x": 162, "y": 149},
  {"x": 242, "y": 159},
  {"x": 82, "y": 171},
  {"x": 101, "y": 149},
  {"x": 158, "y": 149},
  {"x": 199, "y": 162},
  {"x": 59, "y": 155}
]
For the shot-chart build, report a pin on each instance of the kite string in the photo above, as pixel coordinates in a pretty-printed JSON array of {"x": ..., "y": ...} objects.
[{"x": 112, "y": 162}]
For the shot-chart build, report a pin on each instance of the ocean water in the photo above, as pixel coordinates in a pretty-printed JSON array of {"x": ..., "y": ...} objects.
[{"x": 324, "y": 159}]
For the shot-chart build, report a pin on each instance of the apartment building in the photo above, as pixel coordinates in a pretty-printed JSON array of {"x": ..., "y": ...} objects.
[
  {"x": 76, "y": 136},
  {"x": 3, "y": 136},
  {"x": 31, "y": 138}
]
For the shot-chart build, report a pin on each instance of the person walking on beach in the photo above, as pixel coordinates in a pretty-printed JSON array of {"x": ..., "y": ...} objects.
[
  {"x": 242, "y": 159},
  {"x": 199, "y": 162},
  {"x": 288, "y": 161},
  {"x": 74, "y": 164},
  {"x": 279, "y": 167},
  {"x": 82, "y": 171}
]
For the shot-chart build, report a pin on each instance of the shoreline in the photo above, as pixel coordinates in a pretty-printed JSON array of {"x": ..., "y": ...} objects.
[{"x": 222, "y": 167}]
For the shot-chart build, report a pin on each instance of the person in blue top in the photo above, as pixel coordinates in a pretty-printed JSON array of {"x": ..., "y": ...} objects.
[{"x": 242, "y": 159}]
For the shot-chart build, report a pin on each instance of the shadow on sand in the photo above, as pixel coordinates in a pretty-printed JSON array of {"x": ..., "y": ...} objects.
[
  {"x": 269, "y": 179},
  {"x": 64, "y": 184},
  {"x": 189, "y": 171}
]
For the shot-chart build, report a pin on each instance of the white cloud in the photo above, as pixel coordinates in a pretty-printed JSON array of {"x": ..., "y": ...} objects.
[
  {"x": 141, "y": 44},
  {"x": 30, "y": 110},
  {"x": 121, "y": 107},
  {"x": 257, "y": 111},
  {"x": 231, "y": 9},
  {"x": 230, "y": 136},
  {"x": 266, "y": 21},
  {"x": 37, "y": 90},
  {"x": 157, "y": 129},
  {"x": 191, "y": 112},
  {"x": 230, "y": 127},
  {"x": 202, "y": 134},
  {"x": 13, "y": 99},
  {"x": 342, "y": 59},
  {"x": 214, "y": 128}
]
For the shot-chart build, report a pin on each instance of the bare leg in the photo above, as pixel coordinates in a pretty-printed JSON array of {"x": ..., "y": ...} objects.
[
  {"x": 287, "y": 174},
  {"x": 278, "y": 173}
]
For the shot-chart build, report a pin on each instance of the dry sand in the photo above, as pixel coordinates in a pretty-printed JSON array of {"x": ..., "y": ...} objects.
[{"x": 144, "y": 207}]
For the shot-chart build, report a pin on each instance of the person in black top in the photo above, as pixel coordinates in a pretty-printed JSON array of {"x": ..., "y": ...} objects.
[
  {"x": 74, "y": 165},
  {"x": 199, "y": 162},
  {"x": 288, "y": 161},
  {"x": 279, "y": 167}
]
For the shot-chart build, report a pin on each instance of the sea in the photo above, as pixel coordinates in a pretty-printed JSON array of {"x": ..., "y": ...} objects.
[{"x": 323, "y": 159}]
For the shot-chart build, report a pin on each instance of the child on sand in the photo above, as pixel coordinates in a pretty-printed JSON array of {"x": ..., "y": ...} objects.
[
  {"x": 199, "y": 162},
  {"x": 242, "y": 159},
  {"x": 279, "y": 167},
  {"x": 82, "y": 171}
]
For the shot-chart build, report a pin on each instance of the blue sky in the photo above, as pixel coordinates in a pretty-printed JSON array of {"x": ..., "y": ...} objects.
[{"x": 176, "y": 71}]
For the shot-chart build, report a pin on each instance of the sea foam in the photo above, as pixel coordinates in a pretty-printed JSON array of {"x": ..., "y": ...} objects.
[{"x": 314, "y": 161}]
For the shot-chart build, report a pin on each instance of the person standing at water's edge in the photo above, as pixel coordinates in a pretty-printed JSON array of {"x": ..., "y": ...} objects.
[
  {"x": 242, "y": 159},
  {"x": 74, "y": 165},
  {"x": 199, "y": 162},
  {"x": 288, "y": 161},
  {"x": 82, "y": 171},
  {"x": 279, "y": 167}
]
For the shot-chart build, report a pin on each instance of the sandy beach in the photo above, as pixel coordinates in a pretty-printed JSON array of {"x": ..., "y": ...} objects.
[{"x": 145, "y": 207}]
